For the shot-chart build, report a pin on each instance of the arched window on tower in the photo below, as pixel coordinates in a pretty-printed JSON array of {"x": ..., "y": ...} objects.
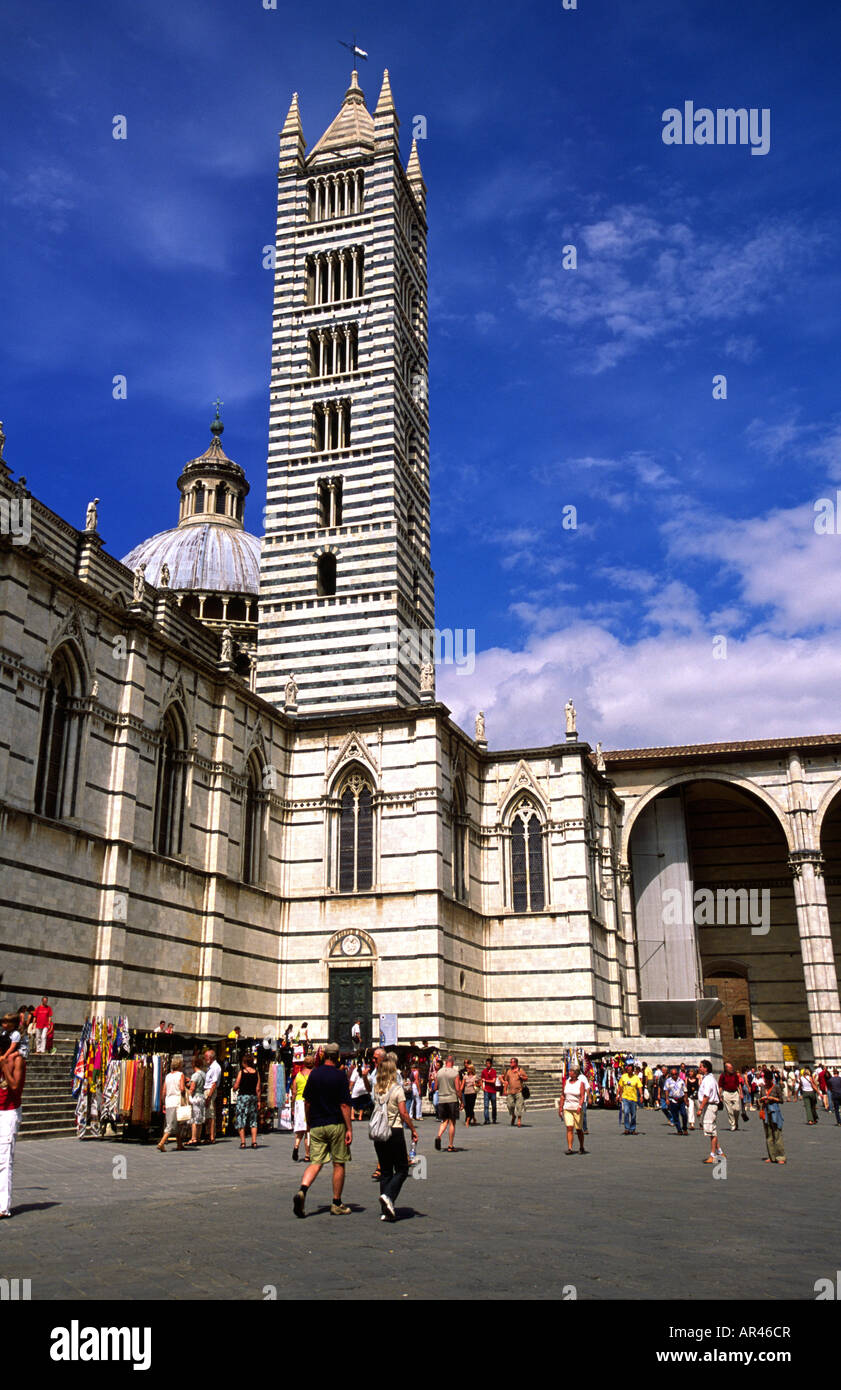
[
  {"x": 326, "y": 575},
  {"x": 253, "y": 821},
  {"x": 356, "y": 835},
  {"x": 172, "y": 783},
  {"x": 61, "y": 736},
  {"x": 528, "y": 893}
]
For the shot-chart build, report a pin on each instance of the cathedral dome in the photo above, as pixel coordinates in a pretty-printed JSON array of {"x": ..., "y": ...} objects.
[{"x": 206, "y": 557}]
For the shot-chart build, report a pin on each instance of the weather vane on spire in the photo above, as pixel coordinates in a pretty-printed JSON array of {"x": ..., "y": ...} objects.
[{"x": 355, "y": 50}]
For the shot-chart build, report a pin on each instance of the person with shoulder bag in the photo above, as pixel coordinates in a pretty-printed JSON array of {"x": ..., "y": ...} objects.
[
  {"x": 176, "y": 1104},
  {"x": 385, "y": 1128}
]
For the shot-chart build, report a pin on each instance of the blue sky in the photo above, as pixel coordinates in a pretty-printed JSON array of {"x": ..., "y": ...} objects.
[{"x": 549, "y": 387}]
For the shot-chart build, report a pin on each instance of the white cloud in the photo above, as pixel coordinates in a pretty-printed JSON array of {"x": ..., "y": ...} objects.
[{"x": 639, "y": 279}]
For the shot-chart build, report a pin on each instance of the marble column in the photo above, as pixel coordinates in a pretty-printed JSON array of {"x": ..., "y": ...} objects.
[{"x": 818, "y": 956}]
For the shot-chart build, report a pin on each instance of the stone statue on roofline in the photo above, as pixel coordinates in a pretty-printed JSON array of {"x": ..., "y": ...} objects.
[
  {"x": 90, "y": 517},
  {"x": 139, "y": 586},
  {"x": 570, "y": 714},
  {"x": 480, "y": 727}
]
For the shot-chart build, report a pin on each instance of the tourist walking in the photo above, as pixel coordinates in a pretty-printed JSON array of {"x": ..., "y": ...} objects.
[
  {"x": 175, "y": 1096},
  {"x": 469, "y": 1086},
  {"x": 247, "y": 1087},
  {"x": 489, "y": 1080},
  {"x": 771, "y": 1115},
  {"x": 392, "y": 1158},
  {"x": 630, "y": 1090},
  {"x": 809, "y": 1092},
  {"x": 379, "y": 1057},
  {"x": 299, "y": 1109},
  {"x": 692, "y": 1095},
  {"x": 197, "y": 1110},
  {"x": 572, "y": 1107},
  {"x": 360, "y": 1091},
  {"x": 12, "y": 1080},
  {"x": 327, "y": 1102},
  {"x": 449, "y": 1101},
  {"x": 43, "y": 1019},
  {"x": 513, "y": 1082},
  {"x": 731, "y": 1094},
  {"x": 708, "y": 1103},
  {"x": 212, "y": 1077},
  {"x": 674, "y": 1090},
  {"x": 820, "y": 1075},
  {"x": 833, "y": 1087},
  {"x": 415, "y": 1106}
]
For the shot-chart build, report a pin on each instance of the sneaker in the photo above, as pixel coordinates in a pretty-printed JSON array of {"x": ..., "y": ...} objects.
[
  {"x": 298, "y": 1201},
  {"x": 338, "y": 1209},
  {"x": 387, "y": 1206}
]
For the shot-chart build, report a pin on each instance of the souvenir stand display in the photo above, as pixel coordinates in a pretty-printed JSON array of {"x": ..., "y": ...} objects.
[
  {"x": 96, "y": 1075},
  {"x": 607, "y": 1067},
  {"x": 271, "y": 1071},
  {"x": 118, "y": 1075}
]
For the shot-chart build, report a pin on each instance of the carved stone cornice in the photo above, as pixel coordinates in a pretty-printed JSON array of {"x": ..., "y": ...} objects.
[{"x": 798, "y": 857}]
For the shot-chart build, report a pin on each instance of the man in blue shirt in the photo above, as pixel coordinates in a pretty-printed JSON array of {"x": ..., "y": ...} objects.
[{"x": 675, "y": 1094}]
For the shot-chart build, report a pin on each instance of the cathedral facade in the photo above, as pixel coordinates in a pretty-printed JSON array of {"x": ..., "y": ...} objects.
[{"x": 229, "y": 794}]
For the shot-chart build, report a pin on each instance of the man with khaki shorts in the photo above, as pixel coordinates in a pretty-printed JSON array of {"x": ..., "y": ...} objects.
[
  {"x": 708, "y": 1102},
  {"x": 513, "y": 1082},
  {"x": 327, "y": 1104}
]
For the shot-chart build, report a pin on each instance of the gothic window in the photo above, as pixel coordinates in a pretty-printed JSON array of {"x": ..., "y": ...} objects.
[
  {"x": 413, "y": 451},
  {"x": 172, "y": 780},
  {"x": 335, "y": 275},
  {"x": 326, "y": 575},
  {"x": 527, "y": 887},
  {"x": 61, "y": 729},
  {"x": 329, "y": 501},
  {"x": 331, "y": 425},
  {"x": 331, "y": 351},
  {"x": 356, "y": 835},
  {"x": 253, "y": 819},
  {"x": 335, "y": 195},
  {"x": 199, "y": 495},
  {"x": 459, "y": 820},
  {"x": 221, "y": 498}
]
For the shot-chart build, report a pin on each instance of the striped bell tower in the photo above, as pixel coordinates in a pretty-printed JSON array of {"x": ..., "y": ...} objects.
[{"x": 346, "y": 589}]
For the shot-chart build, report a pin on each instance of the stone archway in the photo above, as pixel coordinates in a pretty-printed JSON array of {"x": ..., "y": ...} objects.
[{"x": 726, "y": 849}]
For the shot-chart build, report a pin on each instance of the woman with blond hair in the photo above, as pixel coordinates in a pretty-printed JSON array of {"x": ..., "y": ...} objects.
[
  {"x": 392, "y": 1158},
  {"x": 175, "y": 1095}
]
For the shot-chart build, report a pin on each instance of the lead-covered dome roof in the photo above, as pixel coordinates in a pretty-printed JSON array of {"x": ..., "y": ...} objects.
[
  {"x": 209, "y": 550},
  {"x": 203, "y": 557}
]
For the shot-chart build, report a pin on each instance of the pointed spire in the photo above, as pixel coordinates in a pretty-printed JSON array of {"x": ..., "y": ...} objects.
[
  {"x": 292, "y": 142},
  {"x": 386, "y": 124},
  {"x": 385, "y": 105},
  {"x": 415, "y": 176}
]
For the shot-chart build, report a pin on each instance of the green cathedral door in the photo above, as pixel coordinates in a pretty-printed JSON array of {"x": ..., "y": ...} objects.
[{"x": 351, "y": 997}]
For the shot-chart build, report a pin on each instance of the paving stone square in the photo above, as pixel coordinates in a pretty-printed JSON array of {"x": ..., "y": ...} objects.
[{"x": 508, "y": 1215}]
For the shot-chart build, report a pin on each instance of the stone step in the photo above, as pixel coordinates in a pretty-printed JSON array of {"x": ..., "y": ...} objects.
[{"x": 52, "y": 1132}]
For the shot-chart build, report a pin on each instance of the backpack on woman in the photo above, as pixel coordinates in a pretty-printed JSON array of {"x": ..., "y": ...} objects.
[{"x": 379, "y": 1129}]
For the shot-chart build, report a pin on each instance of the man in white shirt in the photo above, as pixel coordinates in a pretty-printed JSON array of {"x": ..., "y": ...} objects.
[
  {"x": 708, "y": 1099},
  {"x": 212, "y": 1078}
]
